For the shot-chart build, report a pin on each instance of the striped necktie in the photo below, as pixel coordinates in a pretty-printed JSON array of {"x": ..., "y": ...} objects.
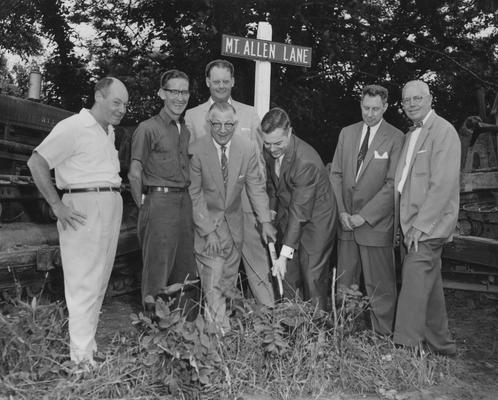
[{"x": 224, "y": 165}]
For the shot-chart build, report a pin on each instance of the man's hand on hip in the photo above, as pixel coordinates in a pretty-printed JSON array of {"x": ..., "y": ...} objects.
[
  {"x": 412, "y": 237},
  {"x": 68, "y": 216}
]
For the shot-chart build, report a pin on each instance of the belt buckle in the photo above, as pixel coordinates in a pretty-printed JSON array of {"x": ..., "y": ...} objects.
[{"x": 165, "y": 189}]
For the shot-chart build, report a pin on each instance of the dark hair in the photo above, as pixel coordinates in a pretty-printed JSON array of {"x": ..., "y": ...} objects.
[
  {"x": 103, "y": 85},
  {"x": 222, "y": 107},
  {"x": 172, "y": 74},
  {"x": 375, "y": 90},
  {"x": 274, "y": 119},
  {"x": 220, "y": 64}
]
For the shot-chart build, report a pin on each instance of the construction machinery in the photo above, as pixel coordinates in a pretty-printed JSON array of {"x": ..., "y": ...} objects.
[
  {"x": 471, "y": 260},
  {"x": 29, "y": 244}
]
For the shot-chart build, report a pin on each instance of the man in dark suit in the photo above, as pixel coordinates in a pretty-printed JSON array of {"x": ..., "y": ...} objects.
[
  {"x": 302, "y": 198},
  {"x": 362, "y": 176},
  {"x": 427, "y": 202},
  {"x": 222, "y": 165}
]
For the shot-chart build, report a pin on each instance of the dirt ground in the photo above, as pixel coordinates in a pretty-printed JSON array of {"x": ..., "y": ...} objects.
[{"x": 473, "y": 320}]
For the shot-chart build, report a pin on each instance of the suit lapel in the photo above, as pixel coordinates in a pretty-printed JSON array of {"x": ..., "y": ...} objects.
[
  {"x": 234, "y": 162},
  {"x": 402, "y": 161},
  {"x": 424, "y": 131},
  {"x": 356, "y": 148},
  {"x": 213, "y": 162},
  {"x": 379, "y": 137}
]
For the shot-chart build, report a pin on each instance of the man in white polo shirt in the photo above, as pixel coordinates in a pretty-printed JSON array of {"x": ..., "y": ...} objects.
[{"x": 82, "y": 152}]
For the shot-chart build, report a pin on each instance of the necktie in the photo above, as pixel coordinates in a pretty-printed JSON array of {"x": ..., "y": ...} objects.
[
  {"x": 277, "y": 167},
  {"x": 224, "y": 165},
  {"x": 418, "y": 124},
  {"x": 363, "y": 150}
]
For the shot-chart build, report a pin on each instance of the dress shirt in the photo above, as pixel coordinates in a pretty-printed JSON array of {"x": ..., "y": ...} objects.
[
  {"x": 409, "y": 153},
  {"x": 218, "y": 150}
]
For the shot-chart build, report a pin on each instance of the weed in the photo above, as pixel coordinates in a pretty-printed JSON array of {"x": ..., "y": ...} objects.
[{"x": 284, "y": 352}]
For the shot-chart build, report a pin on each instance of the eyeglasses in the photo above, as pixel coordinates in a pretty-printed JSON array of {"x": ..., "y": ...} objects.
[
  {"x": 416, "y": 100},
  {"x": 177, "y": 93},
  {"x": 229, "y": 125}
]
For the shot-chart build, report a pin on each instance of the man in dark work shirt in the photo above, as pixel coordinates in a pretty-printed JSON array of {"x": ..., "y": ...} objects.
[{"x": 159, "y": 180}]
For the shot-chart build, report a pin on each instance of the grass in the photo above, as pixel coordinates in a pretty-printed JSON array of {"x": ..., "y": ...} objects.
[{"x": 290, "y": 351}]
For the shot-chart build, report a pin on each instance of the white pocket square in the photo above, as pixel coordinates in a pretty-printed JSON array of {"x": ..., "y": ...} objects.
[
  {"x": 241, "y": 176},
  {"x": 383, "y": 156},
  {"x": 421, "y": 151}
]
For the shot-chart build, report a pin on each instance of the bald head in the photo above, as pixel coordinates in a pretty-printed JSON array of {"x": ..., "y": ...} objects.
[
  {"x": 421, "y": 85},
  {"x": 111, "y": 100}
]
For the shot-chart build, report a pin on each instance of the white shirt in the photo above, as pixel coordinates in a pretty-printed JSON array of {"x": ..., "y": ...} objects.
[
  {"x": 81, "y": 152},
  {"x": 409, "y": 153},
  {"x": 373, "y": 131},
  {"x": 219, "y": 151}
]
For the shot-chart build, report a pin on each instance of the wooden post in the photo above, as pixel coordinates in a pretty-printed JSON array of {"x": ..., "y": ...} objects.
[{"x": 263, "y": 74}]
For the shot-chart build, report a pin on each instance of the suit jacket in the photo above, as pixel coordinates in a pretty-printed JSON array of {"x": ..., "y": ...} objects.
[
  {"x": 371, "y": 195},
  {"x": 215, "y": 210},
  {"x": 302, "y": 198},
  {"x": 247, "y": 126},
  {"x": 430, "y": 197}
]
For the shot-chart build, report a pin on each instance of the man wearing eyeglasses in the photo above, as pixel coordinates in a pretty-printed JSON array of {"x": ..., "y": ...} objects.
[
  {"x": 362, "y": 177},
  {"x": 220, "y": 80},
  {"x": 222, "y": 165},
  {"x": 159, "y": 180},
  {"x": 427, "y": 202}
]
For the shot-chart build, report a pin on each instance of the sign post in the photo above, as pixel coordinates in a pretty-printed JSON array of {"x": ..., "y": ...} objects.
[
  {"x": 262, "y": 76},
  {"x": 264, "y": 52}
]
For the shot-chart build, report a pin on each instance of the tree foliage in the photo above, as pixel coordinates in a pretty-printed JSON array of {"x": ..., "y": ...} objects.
[{"x": 451, "y": 45}]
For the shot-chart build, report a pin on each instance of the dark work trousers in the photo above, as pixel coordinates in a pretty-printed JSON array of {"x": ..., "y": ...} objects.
[
  {"x": 421, "y": 313},
  {"x": 166, "y": 235},
  {"x": 308, "y": 275}
]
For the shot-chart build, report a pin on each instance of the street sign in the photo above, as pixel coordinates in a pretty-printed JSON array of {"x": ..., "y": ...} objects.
[{"x": 256, "y": 49}]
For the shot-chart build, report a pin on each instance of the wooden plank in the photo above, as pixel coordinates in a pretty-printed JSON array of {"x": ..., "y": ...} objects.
[
  {"x": 470, "y": 181},
  {"x": 473, "y": 250},
  {"x": 474, "y": 287}
]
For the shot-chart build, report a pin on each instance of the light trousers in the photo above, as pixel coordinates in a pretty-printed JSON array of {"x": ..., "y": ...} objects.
[
  {"x": 218, "y": 278},
  {"x": 87, "y": 259},
  {"x": 421, "y": 313},
  {"x": 256, "y": 260}
]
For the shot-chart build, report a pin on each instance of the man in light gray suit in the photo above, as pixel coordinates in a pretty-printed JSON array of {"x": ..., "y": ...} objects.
[
  {"x": 362, "y": 176},
  {"x": 427, "y": 203},
  {"x": 222, "y": 165},
  {"x": 220, "y": 81}
]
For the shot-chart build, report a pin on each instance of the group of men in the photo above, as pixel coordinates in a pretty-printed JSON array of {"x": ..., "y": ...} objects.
[{"x": 216, "y": 187}]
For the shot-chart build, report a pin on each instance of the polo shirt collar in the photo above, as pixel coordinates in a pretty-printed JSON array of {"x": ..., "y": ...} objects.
[
  {"x": 167, "y": 119},
  {"x": 88, "y": 120}
]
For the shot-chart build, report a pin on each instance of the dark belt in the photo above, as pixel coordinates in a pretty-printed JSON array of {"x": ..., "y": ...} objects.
[
  {"x": 165, "y": 189},
  {"x": 93, "y": 189}
]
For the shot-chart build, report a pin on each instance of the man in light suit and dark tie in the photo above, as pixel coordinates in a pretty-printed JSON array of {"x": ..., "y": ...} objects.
[
  {"x": 306, "y": 216},
  {"x": 362, "y": 176},
  {"x": 222, "y": 165},
  {"x": 427, "y": 203},
  {"x": 220, "y": 81}
]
